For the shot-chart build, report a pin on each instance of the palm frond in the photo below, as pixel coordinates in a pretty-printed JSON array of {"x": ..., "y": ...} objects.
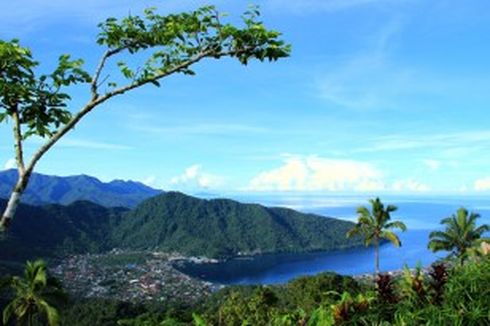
[
  {"x": 8, "y": 311},
  {"x": 440, "y": 235},
  {"x": 391, "y": 208},
  {"x": 363, "y": 211},
  {"x": 482, "y": 229},
  {"x": 396, "y": 225},
  {"x": 388, "y": 235},
  {"x": 353, "y": 232},
  {"x": 50, "y": 312},
  {"x": 438, "y": 245},
  {"x": 369, "y": 239}
]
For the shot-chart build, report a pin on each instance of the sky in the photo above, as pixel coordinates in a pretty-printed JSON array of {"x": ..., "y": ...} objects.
[{"x": 378, "y": 96}]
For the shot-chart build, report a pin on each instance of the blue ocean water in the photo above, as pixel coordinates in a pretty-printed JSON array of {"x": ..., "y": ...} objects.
[{"x": 421, "y": 215}]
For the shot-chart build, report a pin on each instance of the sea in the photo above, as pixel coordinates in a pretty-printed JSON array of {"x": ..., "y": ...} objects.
[{"x": 421, "y": 214}]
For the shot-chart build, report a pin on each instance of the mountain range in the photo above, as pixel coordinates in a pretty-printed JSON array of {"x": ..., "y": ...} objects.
[
  {"x": 46, "y": 189},
  {"x": 171, "y": 221}
]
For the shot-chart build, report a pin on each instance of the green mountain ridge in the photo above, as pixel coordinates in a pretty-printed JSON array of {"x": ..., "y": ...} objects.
[
  {"x": 218, "y": 228},
  {"x": 222, "y": 228}
]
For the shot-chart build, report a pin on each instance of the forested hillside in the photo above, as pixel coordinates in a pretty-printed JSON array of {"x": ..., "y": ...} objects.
[
  {"x": 56, "y": 230},
  {"x": 222, "y": 227},
  {"x": 169, "y": 222}
]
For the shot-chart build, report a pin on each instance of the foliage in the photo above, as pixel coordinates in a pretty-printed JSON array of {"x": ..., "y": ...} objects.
[
  {"x": 180, "y": 38},
  {"x": 438, "y": 279},
  {"x": 413, "y": 286},
  {"x": 467, "y": 294},
  {"x": 95, "y": 311},
  {"x": 38, "y": 103},
  {"x": 290, "y": 304},
  {"x": 385, "y": 289},
  {"x": 375, "y": 225},
  {"x": 461, "y": 234},
  {"x": 35, "y": 296},
  {"x": 52, "y": 231},
  {"x": 309, "y": 292}
]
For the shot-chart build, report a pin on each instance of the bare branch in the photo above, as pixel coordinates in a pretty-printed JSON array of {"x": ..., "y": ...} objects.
[
  {"x": 103, "y": 80},
  {"x": 163, "y": 74},
  {"x": 94, "y": 84}
]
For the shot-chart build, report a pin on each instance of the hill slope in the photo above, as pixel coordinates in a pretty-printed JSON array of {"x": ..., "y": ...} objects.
[
  {"x": 169, "y": 222},
  {"x": 55, "y": 230},
  {"x": 222, "y": 228},
  {"x": 44, "y": 189}
]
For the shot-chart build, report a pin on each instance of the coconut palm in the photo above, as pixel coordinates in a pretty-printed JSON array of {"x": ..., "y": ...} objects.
[
  {"x": 376, "y": 225},
  {"x": 34, "y": 295},
  {"x": 461, "y": 234}
]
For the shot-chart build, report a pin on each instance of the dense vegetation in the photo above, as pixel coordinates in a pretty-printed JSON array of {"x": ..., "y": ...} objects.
[
  {"x": 55, "y": 230},
  {"x": 222, "y": 228},
  {"x": 44, "y": 189},
  {"x": 455, "y": 296},
  {"x": 171, "y": 221}
]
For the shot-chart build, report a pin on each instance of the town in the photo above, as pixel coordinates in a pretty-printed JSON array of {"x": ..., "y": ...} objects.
[{"x": 132, "y": 276}]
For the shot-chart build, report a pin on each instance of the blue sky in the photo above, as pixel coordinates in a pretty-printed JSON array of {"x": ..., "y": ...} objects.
[{"x": 378, "y": 96}]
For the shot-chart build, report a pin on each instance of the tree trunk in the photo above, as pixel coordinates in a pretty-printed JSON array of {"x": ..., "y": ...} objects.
[
  {"x": 14, "y": 200},
  {"x": 376, "y": 256}
]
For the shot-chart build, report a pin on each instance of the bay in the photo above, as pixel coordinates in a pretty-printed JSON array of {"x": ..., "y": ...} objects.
[{"x": 421, "y": 214}]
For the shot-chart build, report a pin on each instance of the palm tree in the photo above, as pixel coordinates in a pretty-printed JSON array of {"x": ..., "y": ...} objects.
[
  {"x": 34, "y": 294},
  {"x": 375, "y": 225},
  {"x": 460, "y": 235}
]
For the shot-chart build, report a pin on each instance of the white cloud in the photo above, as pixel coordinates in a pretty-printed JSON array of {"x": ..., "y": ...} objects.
[
  {"x": 10, "y": 164},
  {"x": 314, "y": 173},
  {"x": 194, "y": 177},
  {"x": 409, "y": 185},
  {"x": 482, "y": 184},
  {"x": 149, "y": 181},
  {"x": 433, "y": 165}
]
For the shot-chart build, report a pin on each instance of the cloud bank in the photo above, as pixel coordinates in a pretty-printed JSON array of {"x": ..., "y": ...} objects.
[
  {"x": 194, "y": 178},
  {"x": 314, "y": 173}
]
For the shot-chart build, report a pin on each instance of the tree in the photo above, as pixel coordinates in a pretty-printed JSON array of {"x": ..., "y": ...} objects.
[
  {"x": 34, "y": 296},
  {"x": 461, "y": 234},
  {"x": 172, "y": 44},
  {"x": 375, "y": 225}
]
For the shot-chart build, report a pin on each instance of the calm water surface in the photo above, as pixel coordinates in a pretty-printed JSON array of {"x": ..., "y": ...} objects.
[{"x": 421, "y": 215}]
